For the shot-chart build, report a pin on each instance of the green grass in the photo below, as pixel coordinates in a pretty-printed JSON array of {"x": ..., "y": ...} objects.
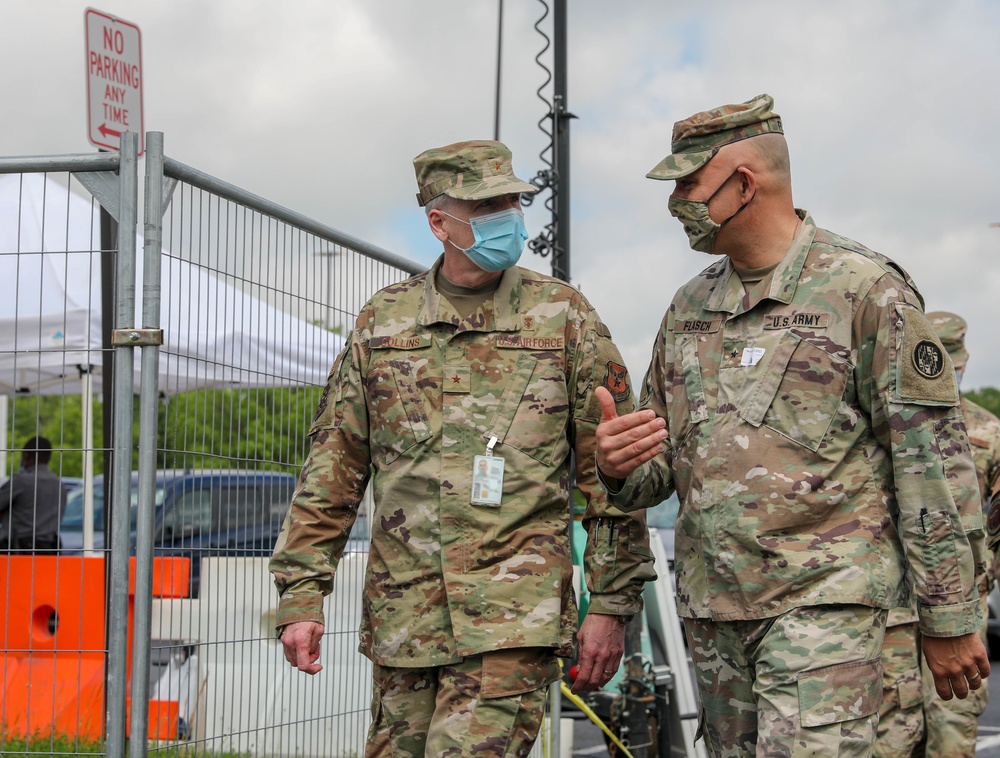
[{"x": 56, "y": 745}]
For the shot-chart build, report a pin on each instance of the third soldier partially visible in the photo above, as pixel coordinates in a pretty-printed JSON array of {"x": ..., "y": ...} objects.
[{"x": 913, "y": 720}]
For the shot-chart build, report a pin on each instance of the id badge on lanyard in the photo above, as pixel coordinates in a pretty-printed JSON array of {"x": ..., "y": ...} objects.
[{"x": 487, "y": 477}]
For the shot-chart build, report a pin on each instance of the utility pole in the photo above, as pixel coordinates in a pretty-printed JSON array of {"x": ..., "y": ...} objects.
[
  {"x": 561, "y": 118},
  {"x": 554, "y": 238}
]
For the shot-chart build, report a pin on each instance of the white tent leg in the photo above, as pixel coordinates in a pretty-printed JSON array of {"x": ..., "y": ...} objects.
[
  {"x": 87, "y": 409},
  {"x": 3, "y": 436}
]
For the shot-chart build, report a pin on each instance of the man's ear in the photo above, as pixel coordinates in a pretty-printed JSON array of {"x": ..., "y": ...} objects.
[
  {"x": 748, "y": 183},
  {"x": 435, "y": 219}
]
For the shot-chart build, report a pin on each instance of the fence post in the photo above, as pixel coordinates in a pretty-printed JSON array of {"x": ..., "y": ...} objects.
[
  {"x": 148, "y": 399},
  {"x": 118, "y": 595}
]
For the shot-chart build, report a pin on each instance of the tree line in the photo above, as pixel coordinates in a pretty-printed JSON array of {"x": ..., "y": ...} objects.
[{"x": 206, "y": 429}]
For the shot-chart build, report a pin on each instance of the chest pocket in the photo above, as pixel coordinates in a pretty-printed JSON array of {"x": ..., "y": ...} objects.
[
  {"x": 799, "y": 393},
  {"x": 397, "y": 414},
  {"x": 692, "y": 390},
  {"x": 534, "y": 411}
]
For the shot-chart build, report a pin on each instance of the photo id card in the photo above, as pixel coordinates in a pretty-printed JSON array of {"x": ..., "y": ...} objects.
[{"x": 487, "y": 480}]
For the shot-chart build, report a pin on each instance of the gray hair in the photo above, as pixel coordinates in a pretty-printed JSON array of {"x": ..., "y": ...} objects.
[{"x": 442, "y": 202}]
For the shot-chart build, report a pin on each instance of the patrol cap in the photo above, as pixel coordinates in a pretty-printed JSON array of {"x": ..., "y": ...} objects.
[
  {"x": 950, "y": 329},
  {"x": 698, "y": 138},
  {"x": 467, "y": 171}
]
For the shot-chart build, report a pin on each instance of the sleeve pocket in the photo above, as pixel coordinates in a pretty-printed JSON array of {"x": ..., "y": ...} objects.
[{"x": 944, "y": 578}]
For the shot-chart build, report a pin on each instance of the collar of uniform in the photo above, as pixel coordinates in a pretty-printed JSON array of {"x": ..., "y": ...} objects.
[
  {"x": 503, "y": 308},
  {"x": 727, "y": 294}
]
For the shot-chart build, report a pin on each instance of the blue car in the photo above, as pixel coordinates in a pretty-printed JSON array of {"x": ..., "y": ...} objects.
[{"x": 197, "y": 515}]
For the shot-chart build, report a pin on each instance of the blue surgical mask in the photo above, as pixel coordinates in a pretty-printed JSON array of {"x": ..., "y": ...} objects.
[{"x": 500, "y": 239}]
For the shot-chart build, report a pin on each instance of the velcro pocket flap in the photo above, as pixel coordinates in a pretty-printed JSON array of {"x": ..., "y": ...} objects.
[{"x": 844, "y": 692}]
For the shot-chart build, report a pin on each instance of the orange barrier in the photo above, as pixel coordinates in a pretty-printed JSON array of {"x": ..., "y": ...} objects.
[{"x": 52, "y": 664}]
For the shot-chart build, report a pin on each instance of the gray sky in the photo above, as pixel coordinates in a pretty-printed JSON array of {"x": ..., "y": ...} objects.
[{"x": 890, "y": 110}]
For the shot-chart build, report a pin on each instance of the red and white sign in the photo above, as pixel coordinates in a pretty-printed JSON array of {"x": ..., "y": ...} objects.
[{"x": 114, "y": 80}]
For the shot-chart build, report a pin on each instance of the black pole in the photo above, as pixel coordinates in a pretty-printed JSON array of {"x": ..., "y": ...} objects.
[
  {"x": 109, "y": 248},
  {"x": 560, "y": 254},
  {"x": 496, "y": 109}
]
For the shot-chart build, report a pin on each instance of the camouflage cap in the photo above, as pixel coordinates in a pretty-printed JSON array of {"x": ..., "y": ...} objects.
[
  {"x": 467, "y": 171},
  {"x": 951, "y": 329},
  {"x": 698, "y": 138}
]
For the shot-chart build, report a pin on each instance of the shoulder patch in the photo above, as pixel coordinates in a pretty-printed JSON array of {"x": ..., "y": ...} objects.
[
  {"x": 993, "y": 523},
  {"x": 923, "y": 372},
  {"x": 928, "y": 359},
  {"x": 616, "y": 382}
]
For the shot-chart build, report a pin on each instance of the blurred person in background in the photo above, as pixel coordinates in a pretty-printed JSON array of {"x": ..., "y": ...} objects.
[{"x": 32, "y": 502}]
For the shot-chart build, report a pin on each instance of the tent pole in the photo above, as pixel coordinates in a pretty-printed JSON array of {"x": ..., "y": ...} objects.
[
  {"x": 4, "y": 400},
  {"x": 87, "y": 413}
]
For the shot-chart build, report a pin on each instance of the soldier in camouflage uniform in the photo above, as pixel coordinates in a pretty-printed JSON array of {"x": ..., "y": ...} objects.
[
  {"x": 461, "y": 397},
  {"x": 948, "y": 727},
  {"x": 805, "y": 413}
]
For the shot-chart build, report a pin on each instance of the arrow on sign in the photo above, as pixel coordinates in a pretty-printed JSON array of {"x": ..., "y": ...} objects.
[{"x": 105, "y": 130}]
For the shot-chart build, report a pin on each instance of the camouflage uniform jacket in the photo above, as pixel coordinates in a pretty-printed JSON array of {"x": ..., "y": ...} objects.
[
  {"x": 412, "y": 399},
  {"x": 810, "y": 419},
  {"x": 984, "y": 433},
  {"x": 984, "y": 439}
]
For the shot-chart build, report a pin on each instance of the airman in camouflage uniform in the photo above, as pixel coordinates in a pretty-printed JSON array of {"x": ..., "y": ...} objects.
[
  {"x": 805, "y": 413},
  {"x": 461, "y": 397},
  {"x": 911, "y": 712}
]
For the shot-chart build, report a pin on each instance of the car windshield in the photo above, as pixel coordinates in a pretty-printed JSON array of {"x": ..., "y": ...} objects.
[{"x": 72, "y": 519}]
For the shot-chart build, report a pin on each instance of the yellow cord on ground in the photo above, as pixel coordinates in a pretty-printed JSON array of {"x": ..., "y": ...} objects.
[{"x": 578, "y": 702}]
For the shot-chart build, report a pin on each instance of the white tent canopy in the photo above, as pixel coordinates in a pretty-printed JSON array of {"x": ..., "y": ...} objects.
[{"x": 215, "y": 334}]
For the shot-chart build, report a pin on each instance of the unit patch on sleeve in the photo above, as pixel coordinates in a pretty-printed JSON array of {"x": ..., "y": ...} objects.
[
  {"x": 922, "y": 372},
  {"x": 616, "y": 382},
  {"x": 993, "y": 524},
  {"x": 928, "y": 359}
]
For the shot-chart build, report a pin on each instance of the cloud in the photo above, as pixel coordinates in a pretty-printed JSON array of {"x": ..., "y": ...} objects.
[{"x": 889, "y": 110}]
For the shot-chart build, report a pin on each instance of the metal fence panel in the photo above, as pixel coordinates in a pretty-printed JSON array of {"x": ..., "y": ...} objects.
[
  {"x": 170, "y": 632},
  {"x": 58, "y": 676},
  {"x": 255, "y": 304}
]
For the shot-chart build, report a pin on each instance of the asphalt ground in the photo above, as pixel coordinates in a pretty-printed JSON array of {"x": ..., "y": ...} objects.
[{"x": 589, "y": 741}]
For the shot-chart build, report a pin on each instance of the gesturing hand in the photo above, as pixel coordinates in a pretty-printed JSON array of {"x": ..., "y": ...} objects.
[{"x": 626, "y": 442}]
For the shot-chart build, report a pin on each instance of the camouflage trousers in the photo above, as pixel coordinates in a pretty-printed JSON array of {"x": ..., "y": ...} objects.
[
  {"x": 952, "y": 725},
  {"x": 805, "y": 683},
  {"x": 485, "y": 706},
  {"x": 901, "y": 715},
  {"x": 913, "y": 719}
]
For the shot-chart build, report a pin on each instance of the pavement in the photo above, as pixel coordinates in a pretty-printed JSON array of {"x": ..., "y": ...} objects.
[{"x": 589, "y": 741}]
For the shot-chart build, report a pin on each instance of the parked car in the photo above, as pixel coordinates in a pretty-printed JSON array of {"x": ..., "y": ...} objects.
[
  {"x": 71, "y": 524},
  {"x": 197, "y": 514}
]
